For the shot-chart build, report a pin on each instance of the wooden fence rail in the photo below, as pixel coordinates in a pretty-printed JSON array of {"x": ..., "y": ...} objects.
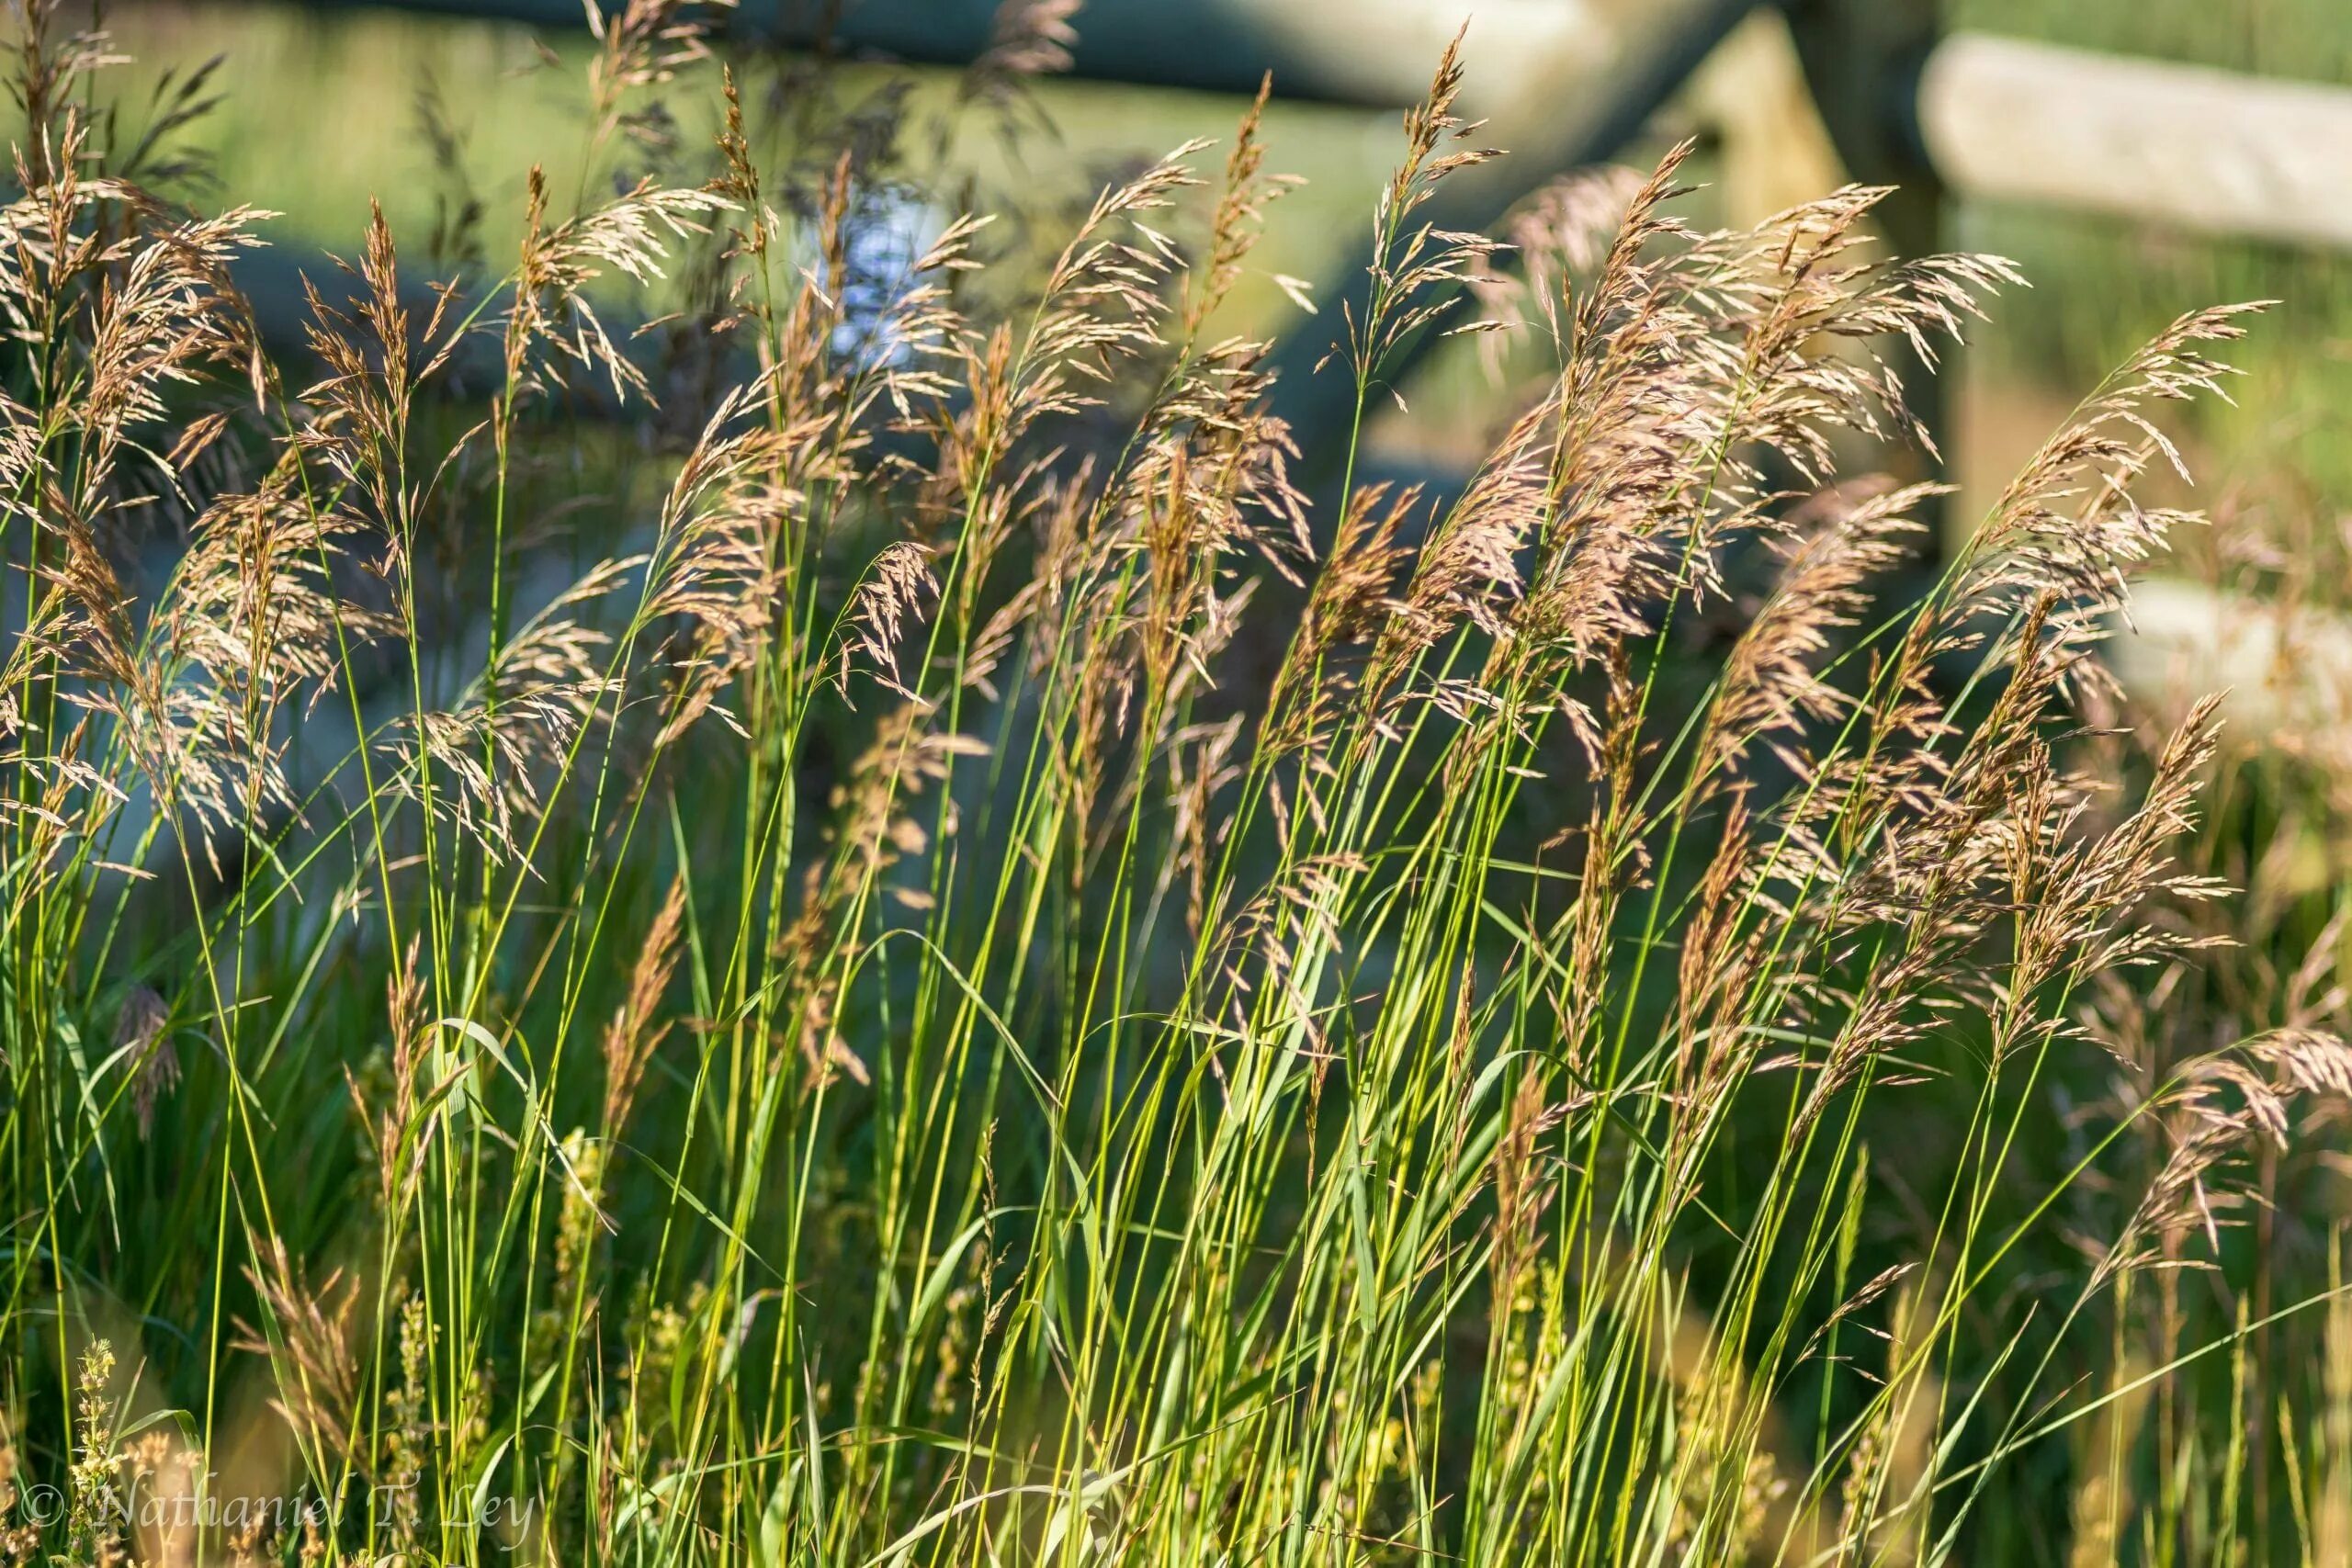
[
  {"x": 2208, "y": 151},
  {"x": 1220, "y": 46}
]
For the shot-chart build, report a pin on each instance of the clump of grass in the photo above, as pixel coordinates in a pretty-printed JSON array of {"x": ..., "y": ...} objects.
[{"x": 980, "y": 979}]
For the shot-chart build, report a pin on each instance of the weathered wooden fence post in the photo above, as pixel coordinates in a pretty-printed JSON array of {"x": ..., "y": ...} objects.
[{"x": 1863, "y": 59}]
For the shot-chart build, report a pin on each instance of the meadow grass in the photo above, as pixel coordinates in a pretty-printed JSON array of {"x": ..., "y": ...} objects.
[{"x": 913, "y": 956}]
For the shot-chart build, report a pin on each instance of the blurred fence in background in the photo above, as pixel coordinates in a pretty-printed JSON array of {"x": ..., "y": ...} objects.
[
  {"x": 1903, "y": 101},
  {"x": 1793, "y": 96}
]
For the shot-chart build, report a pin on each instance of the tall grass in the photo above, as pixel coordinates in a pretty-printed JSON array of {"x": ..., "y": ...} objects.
[{"x": 979, "y": 979}]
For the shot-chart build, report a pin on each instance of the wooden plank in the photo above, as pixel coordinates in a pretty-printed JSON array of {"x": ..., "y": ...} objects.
[
  {"x": 1371, "y": 53},
  {"x": 2287, "y": 668},
  {"x": 2212, "y": 151}
]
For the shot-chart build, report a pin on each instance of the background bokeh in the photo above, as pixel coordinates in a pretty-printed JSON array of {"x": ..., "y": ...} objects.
[{"x": 330, "y": 109}]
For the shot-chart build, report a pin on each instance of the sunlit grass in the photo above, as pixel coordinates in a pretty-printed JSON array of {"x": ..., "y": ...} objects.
[{"x": 912, "y": 956}]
